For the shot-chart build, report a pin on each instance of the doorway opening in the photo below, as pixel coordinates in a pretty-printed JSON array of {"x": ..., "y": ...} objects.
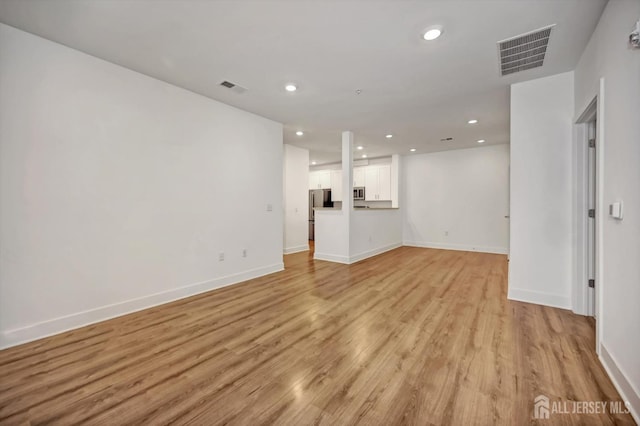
[
  {"x": 591, "y": 216},
  {"x": 588, "y": 213}
]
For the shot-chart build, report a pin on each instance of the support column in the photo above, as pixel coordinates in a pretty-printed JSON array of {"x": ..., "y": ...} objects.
[
  {"x": 333, "y": 227},
  {"x": 347, "y": 171}
]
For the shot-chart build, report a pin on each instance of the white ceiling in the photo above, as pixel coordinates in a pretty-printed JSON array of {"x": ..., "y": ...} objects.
[{"x": 419, "y": 91}]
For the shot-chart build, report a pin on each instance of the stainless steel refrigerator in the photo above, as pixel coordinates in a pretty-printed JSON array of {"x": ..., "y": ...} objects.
[{"x": 317, "y": 198}]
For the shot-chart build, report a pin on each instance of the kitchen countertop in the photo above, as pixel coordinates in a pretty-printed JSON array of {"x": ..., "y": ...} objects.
[
  {"x": 377, "y": 208},
  {"x": 359, "y": 208}
]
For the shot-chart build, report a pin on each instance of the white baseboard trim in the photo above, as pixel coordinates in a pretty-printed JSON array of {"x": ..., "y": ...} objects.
[
  {"x": 296, "y": 249},
  {"x": 539, "y": 298},
  {"x": 364, "y": 255},
  {"x": 348, "y": 260},
  {"x": 619, "y": 379},
  {"x": 331, "y": 258},
  {"x": 69, "y": 322},
  {"x": 459, "y": 247}
]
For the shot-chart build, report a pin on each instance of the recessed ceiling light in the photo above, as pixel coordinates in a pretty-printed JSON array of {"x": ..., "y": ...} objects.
[
  {"x": 360, "y": 147},
  {"x": 389, "y": 136},
  {"x": 481, "y": 141},
  {"x": 364, "y": 155},
  {"x": 299, "y": 133},
  {"x": 432, "y": 33},
  {"x": 290, "y": 87},
  {"x": 313, "y": 163},
  {"x": 473, "y": 121},
  {"x": 412, "y": 150}
]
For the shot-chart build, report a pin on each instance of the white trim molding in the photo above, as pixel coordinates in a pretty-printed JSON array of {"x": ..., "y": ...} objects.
[
  {"x": 600, "y": 282},
  {"x": 331, "y": 258},
  {"x": 81, "y": 319},
  {"x": 296, "y": 249},
  {"x": 367, "y": 254},
  {"x": 348, "y": 260},
  {"x": 630, "y": 395},
  {"x": 458, "y": 247},
  {"x": 539, "y": 298},
  {"x": 580, "y": 290}
]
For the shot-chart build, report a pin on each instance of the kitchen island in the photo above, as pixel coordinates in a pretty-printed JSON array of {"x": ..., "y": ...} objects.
[{"x": 348, "y": 236}]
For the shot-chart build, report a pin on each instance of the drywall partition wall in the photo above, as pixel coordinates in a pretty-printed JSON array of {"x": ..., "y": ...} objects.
[
  {"x": 457, "y": 199},
  {"x": 332, "y": 235},
  {"x": 609, "y": 57},
  {"x": 349, "y": 235},
  {"x": 119, "y": 191},
  {"x": 332, "y": 227},
  {"x": 296, "y": 199},
  {"x": 540, "y": 266},
  {"x": 371, "y": 232},
  {"x": 374, "y": 231}
]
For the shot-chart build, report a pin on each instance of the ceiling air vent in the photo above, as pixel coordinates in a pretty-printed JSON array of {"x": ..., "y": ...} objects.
[
  {"x": 234, "y": 87},
  {"x": 524, "y": 52}
]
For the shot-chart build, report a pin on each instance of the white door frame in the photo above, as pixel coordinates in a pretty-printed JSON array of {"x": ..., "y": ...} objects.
[{"x": 595, "y": 109}]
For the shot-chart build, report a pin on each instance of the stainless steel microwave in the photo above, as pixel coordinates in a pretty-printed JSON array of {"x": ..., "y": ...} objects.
[{"x": 358, "y": 193}]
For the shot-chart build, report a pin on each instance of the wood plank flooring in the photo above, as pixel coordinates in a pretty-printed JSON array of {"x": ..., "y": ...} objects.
[{"x": 413, "y": 336}]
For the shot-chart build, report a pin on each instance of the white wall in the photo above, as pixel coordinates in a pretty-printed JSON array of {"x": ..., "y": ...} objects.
[
  {"x": 374, "y": 231},
  {"x": 463, "y": 192},
  {"x": 296, "y": 199},
  {"x": 118, "y": 191},
  {"x": 540, "y": 267},
  {"x": 332, "y": 235},
  {"x": 608, "y": 56},
  {"x": 370, "y": 232},
  {"x": 332, "y": 227}
]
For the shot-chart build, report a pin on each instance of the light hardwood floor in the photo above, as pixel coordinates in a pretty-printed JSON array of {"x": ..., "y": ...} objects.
[{"x": 413, "y": 336}]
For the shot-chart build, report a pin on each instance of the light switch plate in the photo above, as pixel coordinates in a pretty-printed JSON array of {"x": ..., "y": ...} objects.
[{"x": 615, "y": 210}]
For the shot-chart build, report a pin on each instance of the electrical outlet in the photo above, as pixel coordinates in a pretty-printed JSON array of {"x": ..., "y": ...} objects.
[
  {"x": 269, "y": 207},
  {"x": 244, "y": 252},
  {"x": 221, "y": 256}
]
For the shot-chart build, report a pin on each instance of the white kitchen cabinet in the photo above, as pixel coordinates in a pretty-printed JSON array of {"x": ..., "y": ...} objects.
[
  {"x": 371, "y": 183},
  {"x": 358, "y": 176},
  {"x": 325, "y": 179},
  {"x": 377, "y": 183},
  {"x": 336, "y": 185},
  {"x": 384, "y": 182},
  {"x": 320, "y": 179}
]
